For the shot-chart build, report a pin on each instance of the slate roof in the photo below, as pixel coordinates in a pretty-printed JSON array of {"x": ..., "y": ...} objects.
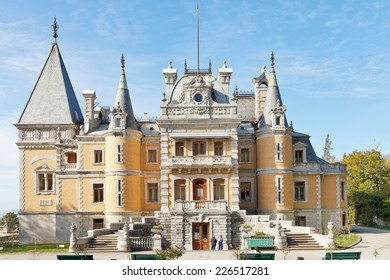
[
  {"x": 123, "y": 97},
  {"x": 52, "y": 100},
  {"x": 305, "y": 139}
]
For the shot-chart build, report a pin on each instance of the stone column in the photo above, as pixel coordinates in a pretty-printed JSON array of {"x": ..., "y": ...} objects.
[
  {"x": 73, "y": 239},
  {"x": 123, "y": 239}
]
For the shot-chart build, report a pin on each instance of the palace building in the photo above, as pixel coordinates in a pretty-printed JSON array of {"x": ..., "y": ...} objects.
[{"x": 213, "y": 160}]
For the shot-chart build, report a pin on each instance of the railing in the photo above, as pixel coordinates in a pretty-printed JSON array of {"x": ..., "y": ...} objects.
[
  {"x": 201, "y": 160},
  {"x": 70, "y": 166},
  {"x": 199, "y": 110},
  {"x": 185, "y": 205},
  {"x": 141, "y": 243}
]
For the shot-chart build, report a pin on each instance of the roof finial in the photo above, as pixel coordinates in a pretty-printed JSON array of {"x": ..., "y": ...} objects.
[
  {"x": 123, "y": 61},
  {"x": 55, "y": 29},
  {"x": 272, "y": 59}
]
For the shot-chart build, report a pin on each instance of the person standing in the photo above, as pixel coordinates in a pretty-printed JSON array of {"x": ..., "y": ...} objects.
[
  {"x": 213, "y": 242},
  {"x": 220, "y": 243}
]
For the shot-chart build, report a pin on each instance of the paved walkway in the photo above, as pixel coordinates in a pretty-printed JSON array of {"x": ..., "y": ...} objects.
[{"x": 373, "y": 240}]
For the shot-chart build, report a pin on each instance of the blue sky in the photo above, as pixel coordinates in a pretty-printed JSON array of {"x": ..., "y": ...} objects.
[{"x": 332, "y": 60}]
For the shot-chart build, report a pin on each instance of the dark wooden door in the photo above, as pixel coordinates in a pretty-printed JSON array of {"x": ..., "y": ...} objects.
[{"x": 201, "y": 236}]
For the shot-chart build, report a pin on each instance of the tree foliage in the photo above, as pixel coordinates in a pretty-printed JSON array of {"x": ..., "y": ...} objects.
[
  {"x": 11, "y": 220},
  {"x": 327, "y": 150},
  {"x": 368, "y": 187}
]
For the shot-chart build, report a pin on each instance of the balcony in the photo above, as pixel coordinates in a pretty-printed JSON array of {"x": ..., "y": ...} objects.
[
  {"x": 200, "y": 205},
  {"x": 70, "y": 166},
  {"x": 201, "y": 161}
]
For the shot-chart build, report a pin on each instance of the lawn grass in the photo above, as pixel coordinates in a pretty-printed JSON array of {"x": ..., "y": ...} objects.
[
  {"x": 27, "y": 248},
  {"x": 343, "y": 241}
]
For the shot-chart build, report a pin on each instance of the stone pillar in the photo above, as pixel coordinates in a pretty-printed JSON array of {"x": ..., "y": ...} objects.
[
  {"x": 280, "y": 238},
  {"x": 330, "y": 237},
  {"x": 157, "y": 242},
  {"x": 73, "y": 239},
  {"x": 123, "y": 239},
  {"x": 244, "y": 238}
]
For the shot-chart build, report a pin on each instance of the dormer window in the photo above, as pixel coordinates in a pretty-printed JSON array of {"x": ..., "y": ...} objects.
[
  {"x": 278, "y": 114},
  {"x": 299, "y": 153},
  {"x": 118, "y": 122}
]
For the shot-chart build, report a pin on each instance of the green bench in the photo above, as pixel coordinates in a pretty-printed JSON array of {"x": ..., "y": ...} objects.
[
  {"x": 256, "y": 256},
  {"x": 75, "y": 257},
  {"x": 261, "y": 242},
  {"x": 143, "y": 257},
  {"x": 342, "y": 256}
]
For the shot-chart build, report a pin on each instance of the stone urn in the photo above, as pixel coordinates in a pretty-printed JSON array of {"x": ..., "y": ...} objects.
[
  {"x": 246, "y": 228},
  {"x": 157, "y": 230}
]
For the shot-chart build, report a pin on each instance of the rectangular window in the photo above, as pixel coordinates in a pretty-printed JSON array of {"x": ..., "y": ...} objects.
[
  {"x": 180, "y": 189},
  {"x": 45, "y": 182},
  {"x": 119, "y": 154},
  {"x": 279, "y": 191},
  {"x": 199, "y": 148},
  {"x": 219, "y": 189},
  {"x": 342, "y": 190},
  {"x": 300, "y": 221},
  {"x": 244, "y": 155},
  {"x": 245, "y": 191},
  {"x": 298, "y": 156},
  {"x": 218, "y": 148},
  {"x": 41, "y": 182},
  {"x": 98, "y": 193},
  {"x": 119, "y": 193},
  {"x": 278, "y": 151},
  {"x": 152, "y": 156},
  {"x": 98, "y": 156},
  {"x": 179, "y": 149},
  {"x": 152, "y": 192},
  {"x": 299, "y": 191}
]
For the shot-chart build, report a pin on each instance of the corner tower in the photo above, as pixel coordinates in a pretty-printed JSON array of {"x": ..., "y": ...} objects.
[
  {"x": 274, "y": 154},
  {"x": 123, "y": 154}
]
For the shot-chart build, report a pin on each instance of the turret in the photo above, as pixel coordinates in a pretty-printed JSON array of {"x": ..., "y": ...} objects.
[
  {"x": 170, "y": 76},
  {"x": 224, "y": 75}
]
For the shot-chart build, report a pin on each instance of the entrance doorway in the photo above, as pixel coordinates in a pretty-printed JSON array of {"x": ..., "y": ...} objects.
[
  {"x": 199, "y": 189},
  {"x": 200, "y": 236}
]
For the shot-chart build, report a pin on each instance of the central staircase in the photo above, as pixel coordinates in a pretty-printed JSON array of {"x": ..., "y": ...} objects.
[
  {"x": 302, "y": 241},
  {"x": 104, "y": 243}
]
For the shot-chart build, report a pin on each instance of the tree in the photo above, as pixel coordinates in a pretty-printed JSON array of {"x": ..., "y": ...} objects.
[
  {"x": 11, "y": 220},
  {"x": 327, "y": 150},
  {"x": 368, "y": 186}
]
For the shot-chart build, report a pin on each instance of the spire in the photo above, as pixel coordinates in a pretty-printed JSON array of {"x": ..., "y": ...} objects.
[
  {"x": 52, "y": 100},
  {"x": 273, "y": 99},
  {"x": 272, "y": 77},
  {"x": 197, "y": 33},
  {"x": 122, "y": 99},
  {"x": 55, "y": 29}
]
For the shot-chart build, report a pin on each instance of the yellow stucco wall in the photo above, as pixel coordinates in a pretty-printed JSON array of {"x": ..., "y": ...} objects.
[
  {"x": 328, "y": 191},
  {"x": 35, "y": 159},
  {"x": 87, "y": 195},
  {"x": 311, "y": 191},
  {"x": 89, "y": 156},
  {"x": 267, "y": 191},
  {"x": 69, "y": 194},
  {"x": 266, "y": 150}
]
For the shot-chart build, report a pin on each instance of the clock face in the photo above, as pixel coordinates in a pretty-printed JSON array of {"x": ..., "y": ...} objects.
[{"x": 198, "y": 97}]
